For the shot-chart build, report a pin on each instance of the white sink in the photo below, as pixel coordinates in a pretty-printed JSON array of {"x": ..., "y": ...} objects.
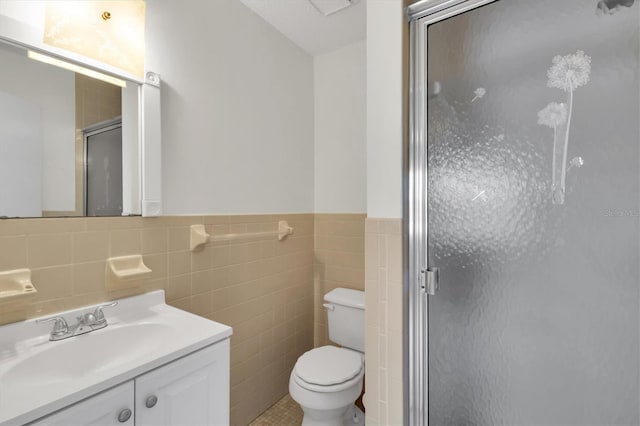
[
  {"x": 91, "y": 353},
  {"x": 38, "y": 376}
]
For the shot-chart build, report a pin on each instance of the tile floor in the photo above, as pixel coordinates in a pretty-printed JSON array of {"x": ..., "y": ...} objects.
[{"x": 285, "y": 412}]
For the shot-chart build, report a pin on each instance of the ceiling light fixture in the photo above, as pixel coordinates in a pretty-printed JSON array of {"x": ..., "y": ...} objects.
[
  {"x": 329, "y": 7},
  {"x": 76, "y": 68}
]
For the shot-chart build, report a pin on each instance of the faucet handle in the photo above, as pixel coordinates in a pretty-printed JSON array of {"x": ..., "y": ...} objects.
[
  {"x": 87, "y": 319},
  {"x": 99, "y": 315},
  {"x": 60, "y": 327}
]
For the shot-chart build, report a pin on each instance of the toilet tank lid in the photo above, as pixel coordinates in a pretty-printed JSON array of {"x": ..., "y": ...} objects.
[{"x": 346, "y": 297}]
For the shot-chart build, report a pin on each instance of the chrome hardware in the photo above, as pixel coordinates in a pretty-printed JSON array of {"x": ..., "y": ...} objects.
[
  {"x": 431, "y": 280},
  {"x": 124, "y": 415},
  {"x": 151, "y": 401},
  {"x": 86, "y": 323},
  {"x": 329, "y": 306},
  {"x": 88, "y": 318},
  {"x": 99, "y": 315},
  {"x": 60, "y": 327}
]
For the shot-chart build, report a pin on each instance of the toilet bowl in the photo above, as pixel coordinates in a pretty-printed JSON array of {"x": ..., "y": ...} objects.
[{"x": 325, "y": 382}]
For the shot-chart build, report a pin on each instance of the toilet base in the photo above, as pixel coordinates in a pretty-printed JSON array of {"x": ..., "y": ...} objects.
[
  {"x": 354, "y": 417},
  {"x": 344, "y": 416}
]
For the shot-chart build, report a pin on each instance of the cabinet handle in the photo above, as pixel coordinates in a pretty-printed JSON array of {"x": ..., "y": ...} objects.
[
  {"x": 124, "y": 415},
  {"x": 151, "y": 401}
]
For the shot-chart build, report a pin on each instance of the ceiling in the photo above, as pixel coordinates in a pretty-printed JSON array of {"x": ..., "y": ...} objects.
[{"x": 303, "y": 24}]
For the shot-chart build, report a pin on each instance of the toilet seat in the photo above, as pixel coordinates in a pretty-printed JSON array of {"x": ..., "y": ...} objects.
[{"x": 328, "y": 369}]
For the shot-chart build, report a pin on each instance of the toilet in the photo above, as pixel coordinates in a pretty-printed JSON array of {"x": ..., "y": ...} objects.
[{"x": 326, "y": 381}]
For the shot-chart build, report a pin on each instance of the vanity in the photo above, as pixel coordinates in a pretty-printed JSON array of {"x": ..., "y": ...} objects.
[{"x": 152, "y": 364}]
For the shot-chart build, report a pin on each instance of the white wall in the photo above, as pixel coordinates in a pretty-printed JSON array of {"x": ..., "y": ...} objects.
[
  {"x": 340, "y": 130},
  {"x": 53, "y": 90},
  {"x": 28, "y": 12},
  {"x": 237, "y": 110},
  {"x": 385, "y": 28}
]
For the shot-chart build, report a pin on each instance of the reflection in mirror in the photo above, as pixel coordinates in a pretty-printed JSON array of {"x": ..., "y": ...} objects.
[
  {"x": 103, "y": 169},
  {"x": 69, "y": 143}
]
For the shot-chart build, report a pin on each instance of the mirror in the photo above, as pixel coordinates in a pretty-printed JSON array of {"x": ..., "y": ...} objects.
[
  {"x": 69, "y": 143},
  {"x": 22, "y": 24}
]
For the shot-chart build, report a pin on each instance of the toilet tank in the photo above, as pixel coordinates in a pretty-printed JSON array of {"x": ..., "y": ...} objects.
[{"x": 345, "y": 313}]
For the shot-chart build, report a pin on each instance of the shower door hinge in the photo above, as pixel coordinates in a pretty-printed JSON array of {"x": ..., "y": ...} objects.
[{"x": 431, "y": 281}]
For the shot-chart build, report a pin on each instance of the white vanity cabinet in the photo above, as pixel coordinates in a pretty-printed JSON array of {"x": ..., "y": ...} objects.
[{"x": 192, "y": 390}]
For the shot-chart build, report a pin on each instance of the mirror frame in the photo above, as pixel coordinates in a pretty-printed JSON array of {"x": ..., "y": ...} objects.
[{"x": 149, "y": 104}]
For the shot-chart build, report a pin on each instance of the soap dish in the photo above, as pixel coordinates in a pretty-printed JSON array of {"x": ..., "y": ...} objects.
[
  {"x": 16, "y": 286},
  {"x": 125, "y": 268}
]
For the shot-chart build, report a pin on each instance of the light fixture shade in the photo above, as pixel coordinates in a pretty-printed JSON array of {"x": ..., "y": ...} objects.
[
  {"x": 76, "y": 68},
  {"x": 111, "y": 31},
  {"x": 328, "y": 7}
]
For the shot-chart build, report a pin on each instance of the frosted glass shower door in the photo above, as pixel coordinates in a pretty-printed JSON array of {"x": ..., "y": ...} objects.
[{"x": 533, "y": 211}]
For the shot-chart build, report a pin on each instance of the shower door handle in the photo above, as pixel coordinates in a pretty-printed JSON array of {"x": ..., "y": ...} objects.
[{"x": 431, "y": 282}]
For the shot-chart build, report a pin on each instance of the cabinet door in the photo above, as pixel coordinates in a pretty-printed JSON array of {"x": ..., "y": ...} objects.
[
  {"x": 193, "y": 390},
  {"x": 104, "y": 409}
]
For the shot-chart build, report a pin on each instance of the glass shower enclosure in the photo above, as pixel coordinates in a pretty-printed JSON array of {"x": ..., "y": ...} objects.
[{"x": 524, "y": 210}]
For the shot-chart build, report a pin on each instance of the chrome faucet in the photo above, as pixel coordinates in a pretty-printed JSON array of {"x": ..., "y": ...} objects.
[{"x": 86, "y": 323}]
